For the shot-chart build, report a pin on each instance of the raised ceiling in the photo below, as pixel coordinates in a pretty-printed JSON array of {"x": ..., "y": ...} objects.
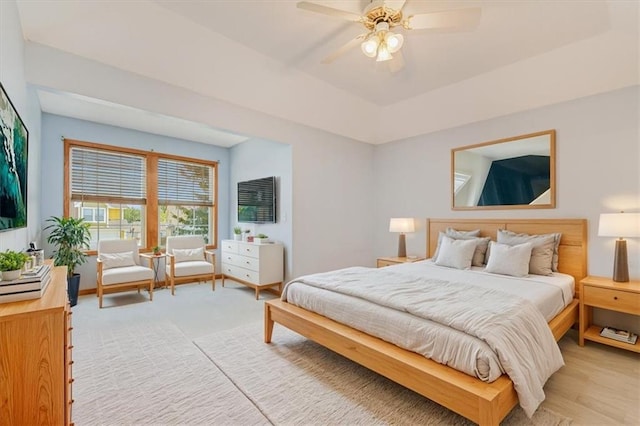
[{"x": 266, "y": 56}]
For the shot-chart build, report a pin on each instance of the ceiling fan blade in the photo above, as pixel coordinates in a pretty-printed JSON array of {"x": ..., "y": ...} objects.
[
  {"x": 395, "y": 4},
  {"x": 325, "y": 10},
  {"x": 459, "y": 19},
  {"x": 397, "y": 63},
  {"x": 346, "y": 47}
]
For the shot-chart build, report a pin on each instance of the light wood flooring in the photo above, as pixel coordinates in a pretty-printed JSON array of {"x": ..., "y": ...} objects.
[{"x": 599, "y": 385}]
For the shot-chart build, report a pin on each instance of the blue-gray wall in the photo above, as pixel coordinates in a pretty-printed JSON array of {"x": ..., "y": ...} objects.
[{"x": 55, "y": 128}]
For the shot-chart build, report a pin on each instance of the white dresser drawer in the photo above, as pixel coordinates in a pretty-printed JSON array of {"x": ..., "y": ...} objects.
[
  {"x": 249, "y": 249},
  {"x": 229, "y": 246},
  {"x": 240, "y": 273},
  {"x": 247, "y": 262}
]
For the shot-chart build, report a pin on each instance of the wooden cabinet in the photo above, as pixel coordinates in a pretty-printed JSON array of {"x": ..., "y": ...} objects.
[
  {"x": 259, "y": 266},
  {"x": 388, "y": 261},
  {"x": 35, "y": 358},
  {"x": 604, "y": 293}
]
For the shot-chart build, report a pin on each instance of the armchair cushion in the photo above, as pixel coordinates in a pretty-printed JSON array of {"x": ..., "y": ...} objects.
[
  {"x": 187, "y": 255},
  {"x": 126, "y": 274},
  {"x": 197, "y": 267},
  {"x": 117, "y": 260}
]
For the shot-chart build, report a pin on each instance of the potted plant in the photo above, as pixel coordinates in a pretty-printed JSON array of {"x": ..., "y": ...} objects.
[
  {"x": 156, "y": 250},
  {"x": 71, "y": 237},
  {"x": 11, "y": 264},
  {"x": 237, "y": 233},
  {"x": 261, "y": 239}
]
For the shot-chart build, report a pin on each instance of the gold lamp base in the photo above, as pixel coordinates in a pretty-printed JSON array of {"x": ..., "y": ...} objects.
[{"x": 620, "y": 264}]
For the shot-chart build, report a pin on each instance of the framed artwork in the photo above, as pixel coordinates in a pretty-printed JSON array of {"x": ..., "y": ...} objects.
[{"x": 14, "y": 145}]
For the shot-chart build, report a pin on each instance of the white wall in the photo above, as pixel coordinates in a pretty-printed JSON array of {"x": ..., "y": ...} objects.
[
  {"x": 597, "y": 160},
  {"x": 256, "y": 159},
  {"x": 24, "y": 99}
]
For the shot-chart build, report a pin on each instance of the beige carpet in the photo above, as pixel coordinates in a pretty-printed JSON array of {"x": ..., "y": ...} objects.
[
  {"x": 150, "y": 373},
  {"x": 294, "y": 381}
]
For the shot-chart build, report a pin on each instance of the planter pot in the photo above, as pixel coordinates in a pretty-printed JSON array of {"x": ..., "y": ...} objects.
[
  {"x": 260, "y": 240},
  {"x": 73, "y": 285},
  {"x": 11, "y": 275},
  {"x": 237, "y": 237}
]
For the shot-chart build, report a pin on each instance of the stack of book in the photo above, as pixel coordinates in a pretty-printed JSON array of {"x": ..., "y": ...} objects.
[
  {"x": 619, "y": 335},
  {"x": 31, "y": 285}
]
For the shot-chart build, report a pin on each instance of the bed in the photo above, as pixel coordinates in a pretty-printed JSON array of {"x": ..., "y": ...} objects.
[{"x": 477, "y": 400}]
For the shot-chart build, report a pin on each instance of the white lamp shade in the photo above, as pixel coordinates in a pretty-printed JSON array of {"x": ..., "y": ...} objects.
[
  {"x": 401, "y": 224},
  {"x": 619, "y": 225},
  {"x": 370, "y": 47},
  {"x": 394, "y": 41}
]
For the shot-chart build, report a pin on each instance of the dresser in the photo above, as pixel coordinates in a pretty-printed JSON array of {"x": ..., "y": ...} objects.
[
  {"x": 35, "y": 357},
  {"x": 259, "y": 266}
]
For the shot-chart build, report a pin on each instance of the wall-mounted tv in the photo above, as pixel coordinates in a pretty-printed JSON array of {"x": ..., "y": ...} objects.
[
  {"x": 14, "y": 144},
  {"x": 257, "y": 200}
]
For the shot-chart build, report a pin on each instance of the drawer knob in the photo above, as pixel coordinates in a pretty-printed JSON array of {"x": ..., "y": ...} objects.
[{"x": 615, "y": 297}]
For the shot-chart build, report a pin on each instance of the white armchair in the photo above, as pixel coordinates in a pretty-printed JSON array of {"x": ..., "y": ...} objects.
[
  {"x": 189, "y": 261},
  {"x": 119, "y": 268}
]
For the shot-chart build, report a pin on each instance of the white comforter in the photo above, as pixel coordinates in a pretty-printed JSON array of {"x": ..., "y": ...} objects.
[{"x": 512, "y": 327}]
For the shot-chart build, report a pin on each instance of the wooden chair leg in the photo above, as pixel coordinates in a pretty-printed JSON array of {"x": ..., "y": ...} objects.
[
  {"x": 173, "y": 285},
  {"x": 213, "y": 282},
  {"x": 151, "y": 283}
]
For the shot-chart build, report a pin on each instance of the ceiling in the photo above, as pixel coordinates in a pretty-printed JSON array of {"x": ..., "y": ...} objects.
[{"x": 266, "y": 56}]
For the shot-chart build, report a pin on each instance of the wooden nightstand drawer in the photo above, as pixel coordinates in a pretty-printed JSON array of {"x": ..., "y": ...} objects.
[
  {"x": 383, "y": 263},
  {"x": 621, "y": 301}
]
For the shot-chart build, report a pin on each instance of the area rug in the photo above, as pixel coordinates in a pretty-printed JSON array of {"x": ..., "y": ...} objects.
[
  {"x": 294, "y": 381},
  {"x": 151, "y": 373}
]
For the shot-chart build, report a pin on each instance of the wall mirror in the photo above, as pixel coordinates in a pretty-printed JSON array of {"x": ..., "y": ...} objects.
[{"x": 511, "y": 173}]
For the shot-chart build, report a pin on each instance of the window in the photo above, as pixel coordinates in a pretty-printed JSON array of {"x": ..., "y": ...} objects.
[
  {"x": 93, "y": 214},
  {"x": 124, "y": 193},
  {"x": 185, "y": 197}
]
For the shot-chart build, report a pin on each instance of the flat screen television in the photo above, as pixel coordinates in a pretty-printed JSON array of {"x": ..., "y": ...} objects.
[
  {"x": 257, "y": 200},
  {"x": 14, "y": 146}
]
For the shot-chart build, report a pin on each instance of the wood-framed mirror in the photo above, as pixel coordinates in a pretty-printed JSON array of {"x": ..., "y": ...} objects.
[{"x": 512, "y": 173}]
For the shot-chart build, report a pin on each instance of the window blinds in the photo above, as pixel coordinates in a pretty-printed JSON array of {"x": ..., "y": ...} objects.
[
  {"x": 184, "y": 183},
  {"x": 101, "y": 175}
]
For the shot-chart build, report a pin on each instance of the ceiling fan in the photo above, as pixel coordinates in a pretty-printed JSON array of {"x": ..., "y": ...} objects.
[{"x": 381, "y": 16}]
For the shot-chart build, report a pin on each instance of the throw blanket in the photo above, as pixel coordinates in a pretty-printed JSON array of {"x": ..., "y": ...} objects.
[{"x": 512, "y": 327}]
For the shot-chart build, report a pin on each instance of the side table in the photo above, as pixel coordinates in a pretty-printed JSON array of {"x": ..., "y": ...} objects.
[{"x": 154, "y": 264}]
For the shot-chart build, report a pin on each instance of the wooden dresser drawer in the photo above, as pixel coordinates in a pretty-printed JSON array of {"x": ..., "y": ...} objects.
[
  {"x": 383, "y": 263},
  {"x": 621, "y": 301},
  {"x": 251, "y": 250},
  {"x": 247, "y": 262}
]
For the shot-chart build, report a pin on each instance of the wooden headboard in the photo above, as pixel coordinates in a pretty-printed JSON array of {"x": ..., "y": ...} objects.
[{"x": 573, "y": 244}]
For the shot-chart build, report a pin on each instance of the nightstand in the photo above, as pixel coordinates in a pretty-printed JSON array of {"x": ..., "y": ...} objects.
[
  {"x": 604, "y": 293},
  {"x": 387, "y": 261}
]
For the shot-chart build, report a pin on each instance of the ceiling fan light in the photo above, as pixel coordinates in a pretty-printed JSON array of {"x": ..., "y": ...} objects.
[
  {"x": 394, "y": 42},
  {"x": 383, "y": 53},
  {"x": 370, "y": 47}
]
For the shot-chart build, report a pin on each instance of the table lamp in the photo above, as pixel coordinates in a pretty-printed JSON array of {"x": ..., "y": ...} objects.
[
  {"x": 620, "y": 225},
  {"x": 401, "y": 225}
]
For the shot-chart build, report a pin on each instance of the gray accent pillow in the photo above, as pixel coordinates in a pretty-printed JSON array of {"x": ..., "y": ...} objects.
[
  {"x": 456, "y": 253},
  {"x": 541, "y": 262},
  {"x": 508, "y": 259}
]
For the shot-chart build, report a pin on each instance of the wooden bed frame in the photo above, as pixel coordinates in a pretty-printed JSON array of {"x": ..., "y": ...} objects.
[{"x": 481, "y": 402}]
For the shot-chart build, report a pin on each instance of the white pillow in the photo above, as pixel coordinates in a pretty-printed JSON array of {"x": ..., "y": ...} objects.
[
  {"x": 188, "y": 255},
  {"x": 117, "y": 260},
  {"x": 456, "y": 253},
  {"x": 456, "y": 235},
  {"x": 509, "y": 260}
]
